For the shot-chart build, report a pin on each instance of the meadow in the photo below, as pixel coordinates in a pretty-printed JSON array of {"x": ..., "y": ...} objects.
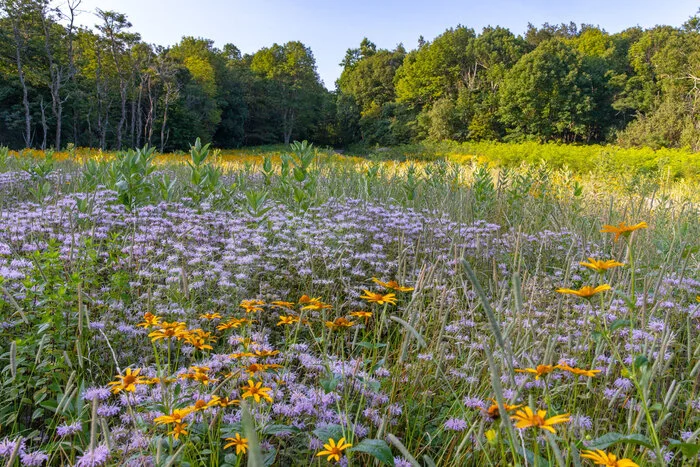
[{"x": 475, "y": 304}]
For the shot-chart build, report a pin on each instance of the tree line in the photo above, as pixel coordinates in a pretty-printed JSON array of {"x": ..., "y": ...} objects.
[{"x": 105, "y": 87}]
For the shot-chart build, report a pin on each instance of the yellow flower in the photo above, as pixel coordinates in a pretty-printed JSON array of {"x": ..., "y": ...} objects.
[
  {"x": 256, "y": 391},
  {"x": 585, "y": 291},
  {"x": 287, "y": 320},
  {"x": 282, "y": 304},
  {"x": 494, "y": 413},
  {"x": 149, "y": 320},
  {"x": 610, "y": 460},
  {"x": 392, "y": 285},
  {"x": 333, "y": 450},
  {"x": 378, "y": 298},
  {"x": 199, "y": 405},
  {"x": 266, "y": 353},
  {"x": 339, "y": 323},
  {"x": 527, "y": 418},
  {"x": 491, "y": 436},
  {"x": 361, "y": 314},
  {"x": 252, "y": 306},
  {"x": 600, "y": 266},
  {"x": 540, "y": 370},
  {"x": 169, "y": 330},
  {"x": 623, "y": 229},
  {"x": 233, "y": 323},
  {"x": 210, "y": 316},
  {"x": 128, "y": 382},
  {"x": 177, "y": 416},
  {"x": 578, "y": 371},
  {"x": 314, "y": 304},
  {"x": 697, "y": 298},
  {"x": 179, "y": 429},
  {"x": 240, "y": 443}
]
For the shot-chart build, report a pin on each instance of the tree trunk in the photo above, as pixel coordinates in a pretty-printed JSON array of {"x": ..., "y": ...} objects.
[
  {"x": 44, "y": 125},
  {"x": 20, "y": 72}
]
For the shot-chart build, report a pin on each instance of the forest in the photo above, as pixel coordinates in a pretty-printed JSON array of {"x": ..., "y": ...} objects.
[{"x": 62, "y": 84}]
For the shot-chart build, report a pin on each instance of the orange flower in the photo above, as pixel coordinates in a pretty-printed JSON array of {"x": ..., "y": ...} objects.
[
  {"x": 392, "y": 285},
  {"x": 339, "y": 323},
  {"x": 585, "y": 291},
  {"x": 179, "y": 429},
  {"x": 540, "y": 370},
  {"x": 493, "y": 411},
  {"x": 623, "y": 229},
  {"x": 578, "y": 371}
]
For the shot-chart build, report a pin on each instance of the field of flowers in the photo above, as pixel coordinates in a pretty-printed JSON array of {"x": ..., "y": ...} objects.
[{"x": 305, "y": 308}]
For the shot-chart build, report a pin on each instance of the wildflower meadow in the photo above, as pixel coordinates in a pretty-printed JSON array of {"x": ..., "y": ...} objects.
[{"x": 300, "y": 307}]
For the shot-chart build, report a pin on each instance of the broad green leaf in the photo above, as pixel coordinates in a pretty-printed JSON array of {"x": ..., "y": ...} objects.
[
  {"x": 376, "y": 448},
  {"x": 610, "y": 439}
]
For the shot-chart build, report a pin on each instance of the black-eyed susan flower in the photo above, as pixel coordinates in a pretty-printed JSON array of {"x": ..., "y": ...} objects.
[
  {"x": 287, "y": 320},
  {"x": 178, "y": 429},
  {"x": 210, "y": 316},
  {"x": 339, "y": 323},
  {"x": 177, "y": 416},
  {"x": 128, "y": 381},
  {"x": 586, "y": 291},
  {"x": 623, "y": 229},
  {"x": 538, "y": 371},
  {"x": 282, "y": 304},
  {"x": 600, "y": 266},
  {"x": 526, "y": 418},
  {"x": 361, "y": 314},
  {"x": 494, "y": 413},
  {"x": 609, "y": 460},
  {"x": 379, "y": 299},
  {"x": 149, "y": 320},
  {"x": 256, "y": 391},
  {"x": 241, "y": 444},
  {"x": 334, "y": 450},
  {"x": 578, "y": 371},
  {"x": 169, "y": 330},
  {"x": 252, "y": 306},
  {"x": 393, "y": 285}
]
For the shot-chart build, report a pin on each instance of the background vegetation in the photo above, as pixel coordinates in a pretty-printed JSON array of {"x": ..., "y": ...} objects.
[{"x": 104, "y": 87}]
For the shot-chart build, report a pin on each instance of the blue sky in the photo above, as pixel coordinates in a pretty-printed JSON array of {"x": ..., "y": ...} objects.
[{"x": 331, "y": 27}]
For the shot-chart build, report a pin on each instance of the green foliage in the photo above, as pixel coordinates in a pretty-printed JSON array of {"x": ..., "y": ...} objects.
[{"x": 131, "y": 175}]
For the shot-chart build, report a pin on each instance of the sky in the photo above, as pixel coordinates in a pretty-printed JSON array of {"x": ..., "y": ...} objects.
[{"x": 331, "y": 27}]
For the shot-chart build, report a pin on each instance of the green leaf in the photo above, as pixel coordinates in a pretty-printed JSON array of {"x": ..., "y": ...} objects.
[
  {"x": 641, "y": 361},
  {"x": 619, "y": 323},
  {"x": 610, "y": 439},
  {"x": 530, "y": 457},
  {"x": 280, "y": 429},
  {"x": 376, "y": 448},
  {"x": 689, "y": 450},
  {"x": 325, "y": 433},
  {"x": 370, "y": 345}
]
